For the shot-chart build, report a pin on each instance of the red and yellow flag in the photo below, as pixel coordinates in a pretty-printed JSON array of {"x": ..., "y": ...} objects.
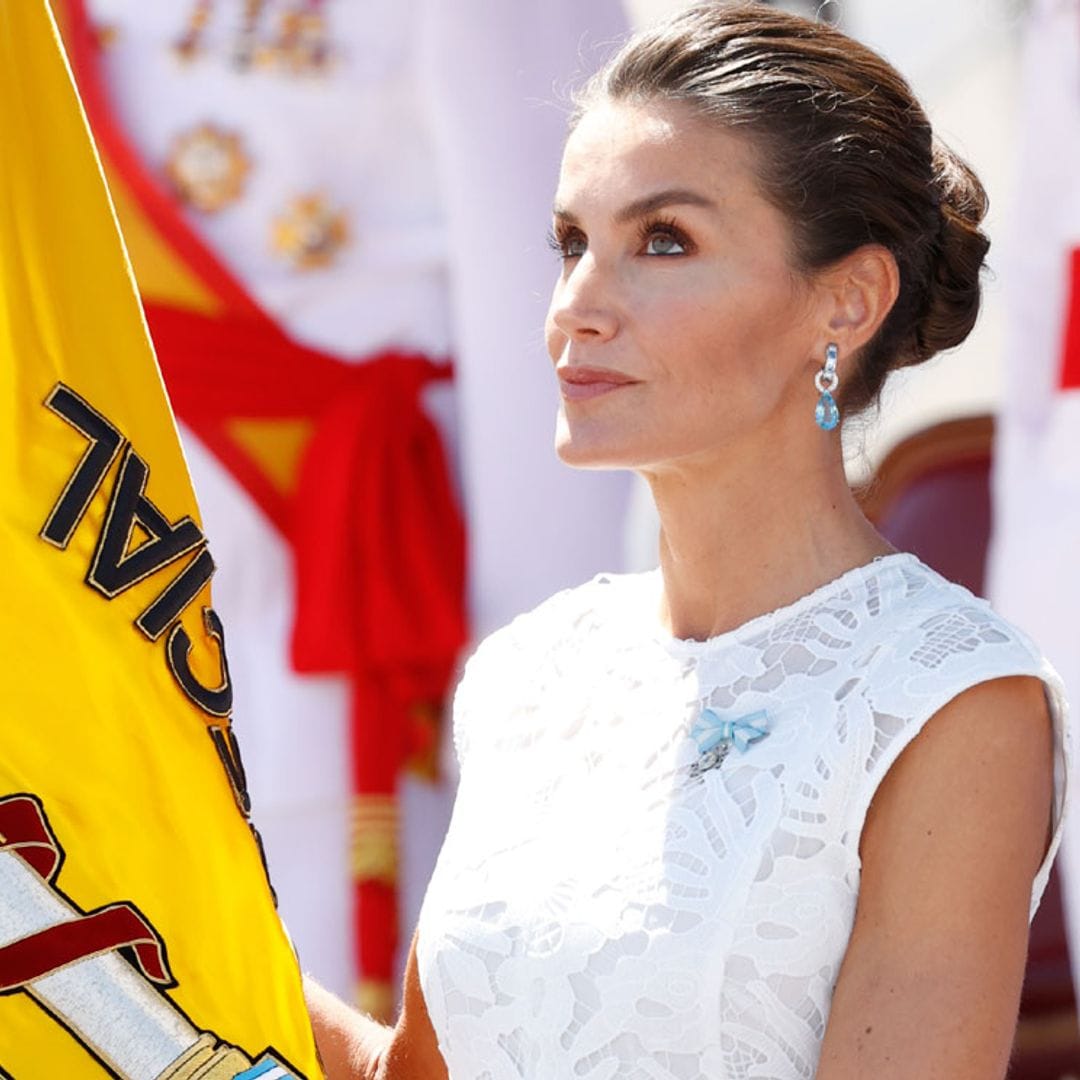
[{"x": 138, "y": 936}]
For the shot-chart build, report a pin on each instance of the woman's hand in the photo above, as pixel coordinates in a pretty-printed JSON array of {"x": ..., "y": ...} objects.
[
  {"x": 352, "y": 1046},
  {"x": 930, "y": 984}
]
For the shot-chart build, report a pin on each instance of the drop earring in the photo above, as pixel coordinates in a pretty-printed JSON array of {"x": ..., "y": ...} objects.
[{"x": 827, "y": 414}]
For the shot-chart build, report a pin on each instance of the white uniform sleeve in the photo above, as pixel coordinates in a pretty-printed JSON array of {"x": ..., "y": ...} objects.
[{"x": 495, "y": 78}]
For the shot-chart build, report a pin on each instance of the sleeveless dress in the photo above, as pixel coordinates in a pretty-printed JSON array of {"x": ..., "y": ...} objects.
[{"x": 601, "y": 908}]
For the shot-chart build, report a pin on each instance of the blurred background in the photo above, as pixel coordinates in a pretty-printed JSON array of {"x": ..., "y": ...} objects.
[{"x": 336, "y": 214}]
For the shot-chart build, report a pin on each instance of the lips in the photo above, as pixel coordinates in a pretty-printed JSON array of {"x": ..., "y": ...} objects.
[{"x": 581, "y": 383}]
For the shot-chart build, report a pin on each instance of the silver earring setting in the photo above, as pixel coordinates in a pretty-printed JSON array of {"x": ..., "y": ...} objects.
[{"x": 826, "y": 380}]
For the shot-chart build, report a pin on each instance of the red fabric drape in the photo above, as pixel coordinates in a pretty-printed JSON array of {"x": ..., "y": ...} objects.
[{"x": 375, "y": 530}]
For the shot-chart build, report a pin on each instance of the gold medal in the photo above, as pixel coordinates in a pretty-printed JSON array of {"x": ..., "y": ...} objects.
[
  {"x": 310, "y": 232},
  {"x": 208, "y": 167}
]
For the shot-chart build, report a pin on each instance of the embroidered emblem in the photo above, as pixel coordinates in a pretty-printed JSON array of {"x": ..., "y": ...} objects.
[
  {"x": 208, "y": 167},
  {"x": 310, "y": 233},
  {"x": 715, "y": 737},
  {"x": 131, "y": 1019}
]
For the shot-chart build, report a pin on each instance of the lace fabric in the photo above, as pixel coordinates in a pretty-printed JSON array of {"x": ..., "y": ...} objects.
[{"x": 598, "y": 912}]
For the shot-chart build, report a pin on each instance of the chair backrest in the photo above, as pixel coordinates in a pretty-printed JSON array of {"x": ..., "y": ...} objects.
[{"x": 931, "y": 496}]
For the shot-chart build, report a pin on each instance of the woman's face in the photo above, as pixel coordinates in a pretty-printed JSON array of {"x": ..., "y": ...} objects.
[{"x": 677, "y": 308}]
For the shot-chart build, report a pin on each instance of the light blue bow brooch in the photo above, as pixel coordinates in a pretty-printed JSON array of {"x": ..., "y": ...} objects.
[{"x": 715, "y": 736}]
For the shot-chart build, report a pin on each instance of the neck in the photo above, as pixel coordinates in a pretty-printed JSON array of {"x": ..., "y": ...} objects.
[{"x": 754, "y": 531}]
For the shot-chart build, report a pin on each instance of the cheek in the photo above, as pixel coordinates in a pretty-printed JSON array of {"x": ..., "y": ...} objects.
[
  {"x": 719, "y": 347},
  {"x": 739, "y": 315},
  {"x": 687, "y": 332}
]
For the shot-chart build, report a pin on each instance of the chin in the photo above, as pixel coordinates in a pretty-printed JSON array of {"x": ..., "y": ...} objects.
[
  {"x": 578, "y": 458},
  {"x": 585, "y": 446}
]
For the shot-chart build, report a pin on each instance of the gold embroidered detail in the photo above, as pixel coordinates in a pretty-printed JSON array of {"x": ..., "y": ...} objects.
[{"x": 208, "y": 1060}]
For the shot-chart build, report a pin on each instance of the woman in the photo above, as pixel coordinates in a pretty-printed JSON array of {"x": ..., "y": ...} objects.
[{"x": 782, "y": 808}]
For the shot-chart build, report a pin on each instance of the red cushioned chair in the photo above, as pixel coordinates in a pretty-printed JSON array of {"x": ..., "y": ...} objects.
[{"x": 931, "y": 496}]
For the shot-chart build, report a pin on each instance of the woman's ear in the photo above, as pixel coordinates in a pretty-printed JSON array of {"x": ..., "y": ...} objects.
[{"x": 858, "y": 292}]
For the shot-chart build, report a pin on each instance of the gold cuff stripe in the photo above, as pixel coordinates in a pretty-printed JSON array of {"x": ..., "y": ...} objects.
[
  {"x": 376, "y": 998},
  {"x": 374, "y": 831}
]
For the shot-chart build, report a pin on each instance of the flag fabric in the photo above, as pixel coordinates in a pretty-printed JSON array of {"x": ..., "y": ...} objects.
[
  {"x": 318, "y": 232},
  {"x": 138, "y": 934},
  {"x": 1034, "y": 568}
]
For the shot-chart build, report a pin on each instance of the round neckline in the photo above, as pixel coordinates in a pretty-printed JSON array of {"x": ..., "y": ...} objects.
[{"x": 691, "y": 646}]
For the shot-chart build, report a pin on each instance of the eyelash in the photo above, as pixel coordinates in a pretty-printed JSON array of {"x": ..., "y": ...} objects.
[
  {"x": 665, "y": 227},
  {"x": 559, "y": 238}
]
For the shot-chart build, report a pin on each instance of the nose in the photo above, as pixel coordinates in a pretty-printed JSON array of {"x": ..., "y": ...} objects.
[{"x": 582, "y": 307}]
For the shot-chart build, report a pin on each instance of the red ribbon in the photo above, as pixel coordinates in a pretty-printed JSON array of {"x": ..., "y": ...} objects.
[
  {"x": 25, "y": 830},
  {"x": 118, "y": 926}
]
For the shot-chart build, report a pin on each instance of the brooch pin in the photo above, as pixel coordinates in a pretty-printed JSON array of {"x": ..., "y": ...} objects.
[{"x": 715, "y": 737}]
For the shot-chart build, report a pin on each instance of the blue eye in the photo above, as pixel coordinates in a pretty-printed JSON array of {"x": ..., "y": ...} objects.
[
  {"x": 573, "y": 247},
  {"x": 663, "y": 243},
  {"x": 664, "y": 238}
]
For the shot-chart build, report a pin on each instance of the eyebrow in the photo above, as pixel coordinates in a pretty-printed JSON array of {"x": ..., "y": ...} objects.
[{"x": 640, "y": 208}]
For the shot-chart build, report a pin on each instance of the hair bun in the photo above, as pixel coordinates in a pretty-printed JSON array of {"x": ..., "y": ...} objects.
[{"x": 953, "y": 291}]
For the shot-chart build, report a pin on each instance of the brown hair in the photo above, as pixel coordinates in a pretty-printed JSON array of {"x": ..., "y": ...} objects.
[{"x": 847, "y": 154}]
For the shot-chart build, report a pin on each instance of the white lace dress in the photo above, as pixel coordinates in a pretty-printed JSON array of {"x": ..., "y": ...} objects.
[{"x": 597, "y": 911}]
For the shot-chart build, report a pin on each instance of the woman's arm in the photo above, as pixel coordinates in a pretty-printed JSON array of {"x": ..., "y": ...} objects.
[
  {"x": 350, "y": 1044},
  {"x": 355, "y": 1047},
  {"x": 930, "y": 984}
]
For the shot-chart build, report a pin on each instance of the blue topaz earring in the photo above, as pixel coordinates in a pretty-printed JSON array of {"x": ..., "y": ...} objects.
[{"x": 827, "y": 414}]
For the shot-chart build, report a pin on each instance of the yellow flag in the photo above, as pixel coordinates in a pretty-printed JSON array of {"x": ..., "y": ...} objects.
[{"x": 138, "y": 936}]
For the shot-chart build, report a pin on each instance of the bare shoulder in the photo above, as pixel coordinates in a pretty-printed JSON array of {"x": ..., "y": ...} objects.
[
  {"x": 981, "y": 769},
  {"x": 954, "y": 836}
]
